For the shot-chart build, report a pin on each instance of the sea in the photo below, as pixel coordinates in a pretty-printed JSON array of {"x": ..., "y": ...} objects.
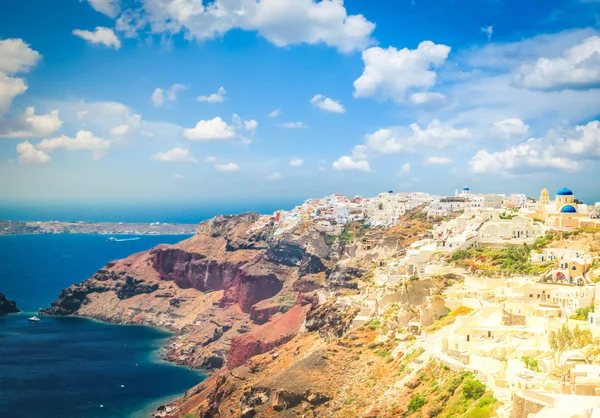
[{"x": 74, "y": 367}]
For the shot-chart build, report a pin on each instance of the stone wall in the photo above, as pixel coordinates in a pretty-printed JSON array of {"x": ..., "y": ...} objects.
[
  {"x": 509, "y": 319},
  {"x": 523, "y": 404}
]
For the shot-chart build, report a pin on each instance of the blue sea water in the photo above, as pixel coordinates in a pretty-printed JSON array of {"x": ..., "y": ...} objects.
[{"x": 69, "y": 367}]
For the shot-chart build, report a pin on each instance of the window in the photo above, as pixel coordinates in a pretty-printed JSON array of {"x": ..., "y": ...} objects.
[{"x": 531, "y": 295}]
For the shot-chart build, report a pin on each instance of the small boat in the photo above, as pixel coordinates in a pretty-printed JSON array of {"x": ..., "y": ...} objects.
[{"x": 34, "y": 319}]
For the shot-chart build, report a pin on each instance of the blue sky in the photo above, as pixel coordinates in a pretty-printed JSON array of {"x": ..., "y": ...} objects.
[{"x": 185, "y": 101}]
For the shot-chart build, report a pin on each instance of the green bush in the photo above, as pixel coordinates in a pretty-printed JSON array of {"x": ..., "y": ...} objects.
[
  {"x": 473, "y": 389},
  {"x": 416, "y": 403}
]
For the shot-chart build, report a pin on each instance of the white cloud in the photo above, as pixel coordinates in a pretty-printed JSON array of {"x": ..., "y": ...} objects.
[
  {"x": 28, "y": 154},
  {"x": 174, "y": 89},
  {"x": 81, "y": 114},
  {"x": 250, "y": 125},
  {"x": 30, "y": 125},
  {"x": 158, "y": 97},
  {"x": 217, "y": 97},
  {"x": 346, "y": 163},
  {"x": 583, "y": 142},
  {"x": 120, "y": 130},
  {"x": 210, "y": 159},
  {"x": 274, "y": 113},
  {"x": 17, "y": 57},
  {"x": 110, "y": 8},
  {"x": 83, "y": 141},
  {"x": 175, "y": 155},
  {"x": 577, "y": 68},
  {"x": 208, "y": 130},
  {"x": 100, "y": 35},
  {"x": 391, "y": 73},
  {"x": 10, "y": 87},
  {"x": 435, "y": 135},
  {"x": 296, "y": 162},
  {"x": 281, "y": 22},
  {"x": 229, "y": 167},
  {"x": 488, "y": 31},
  {"x": 427, "y": 97},
  {"x": 327, "y": 104},
  {"x": 274, "y": 176},
  {"x": 566, "y": 152},
  {"x": 292, "y": 125},
  {"x": 511, "y": 127},
  {"x": 405, "y": 169},
  {"x": 439, "y": 160}
]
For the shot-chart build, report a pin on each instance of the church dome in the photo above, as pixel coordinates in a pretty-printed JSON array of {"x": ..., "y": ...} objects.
[
  {"x": 564, "y": 192},
  {"x": 568, "y": 209},
  {"x": 466, "y": 189}
]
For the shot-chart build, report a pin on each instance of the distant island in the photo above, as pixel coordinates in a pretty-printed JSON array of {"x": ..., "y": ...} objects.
[{"x": 102, "y": 228}]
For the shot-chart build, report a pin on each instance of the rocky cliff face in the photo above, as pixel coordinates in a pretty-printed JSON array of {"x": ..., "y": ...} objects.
[
  {"x": 7, "y": 306},
  {"x": 211, "y": 289}
]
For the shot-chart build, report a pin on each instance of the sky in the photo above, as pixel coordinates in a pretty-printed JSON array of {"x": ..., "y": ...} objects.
[{"x": 259, "y": 100}]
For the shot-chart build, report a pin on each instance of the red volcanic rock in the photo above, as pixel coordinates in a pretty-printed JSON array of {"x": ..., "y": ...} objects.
[{"x": 266, "y": 337}]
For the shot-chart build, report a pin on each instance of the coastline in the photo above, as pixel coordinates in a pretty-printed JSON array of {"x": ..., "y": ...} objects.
[{"x": 9, "y": 227}]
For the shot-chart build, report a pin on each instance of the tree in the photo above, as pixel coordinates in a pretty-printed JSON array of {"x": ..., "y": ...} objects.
[
  {"x": 416, "y": 403},
  {"x": 565, "y": 339},
  {"x": 473, "y": 389}
]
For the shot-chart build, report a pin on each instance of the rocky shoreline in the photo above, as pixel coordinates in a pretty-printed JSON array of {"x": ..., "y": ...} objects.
[{"x": 7, "y": 306}]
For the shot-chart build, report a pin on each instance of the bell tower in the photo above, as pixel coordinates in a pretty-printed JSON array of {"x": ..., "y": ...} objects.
[{"x": 544, "y": 198}]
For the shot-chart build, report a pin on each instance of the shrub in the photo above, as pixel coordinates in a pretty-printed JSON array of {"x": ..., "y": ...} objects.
[
  {"x": 414, "y": 278},
  {"x": 473, "y": 389},
  {"x": 434, "y": 410},
  {"x": 416, "y": 403}
]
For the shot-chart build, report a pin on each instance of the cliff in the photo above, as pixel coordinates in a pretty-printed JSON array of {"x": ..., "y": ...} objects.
[
  {"x": 7, "y": 306},
  {"x": 259, "y": 309},
  {"x": 231, "y": 277}
]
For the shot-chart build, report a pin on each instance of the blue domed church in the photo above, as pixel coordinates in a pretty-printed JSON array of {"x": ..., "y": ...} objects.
[{"x": 563, "y": 212}]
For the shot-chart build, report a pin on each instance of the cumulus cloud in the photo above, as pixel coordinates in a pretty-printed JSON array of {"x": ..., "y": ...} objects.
[
  {"x": 120, "y": 130},
  {"x": 160, "y": 95},
  {"x": 292, "y": 125},
  {"x": 28, "y": 154},
  {"x": 229, "y": 167},
  {"x": 250, "y": 125},
  {"x": 296, "y": 162},
  {"x": 100, "y": 35},
  {"x": 281, "y": 22},
  {"x": 81, "y": 114},
  {"x": 327, "y": 104},
  {"x": 427, "y": 97},
  {"x": 110, "y": 8},
  {"x": 274, "y": 113},
  {"x": 175, "y": 155},
  {"x": 439, "y": 160},
  {"x": 577, "y": 68},
  {"x": 435, "y": 135},
  {"x": 405, "y": 169},
  {"x": 217, "y": 97},
  {"x": 83, "y": 141},
  {"x": 511, "y": 127},
  {"x": 210, "y": 159},
  {"x": 346, "y": 163},
  {"x": 30, "y": 125},
  {"x": 15, "y": 57},
  {"x": 274, "y": 176},
  {"x": 209, "y": 130},
  {"x": 567, "y": 152},
  {"x": 391, "y": 73}
]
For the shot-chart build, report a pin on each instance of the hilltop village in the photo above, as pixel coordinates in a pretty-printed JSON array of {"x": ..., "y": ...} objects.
[
  {"x": 525, "y": 324},
  {"x": 404, "y": 304}
]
